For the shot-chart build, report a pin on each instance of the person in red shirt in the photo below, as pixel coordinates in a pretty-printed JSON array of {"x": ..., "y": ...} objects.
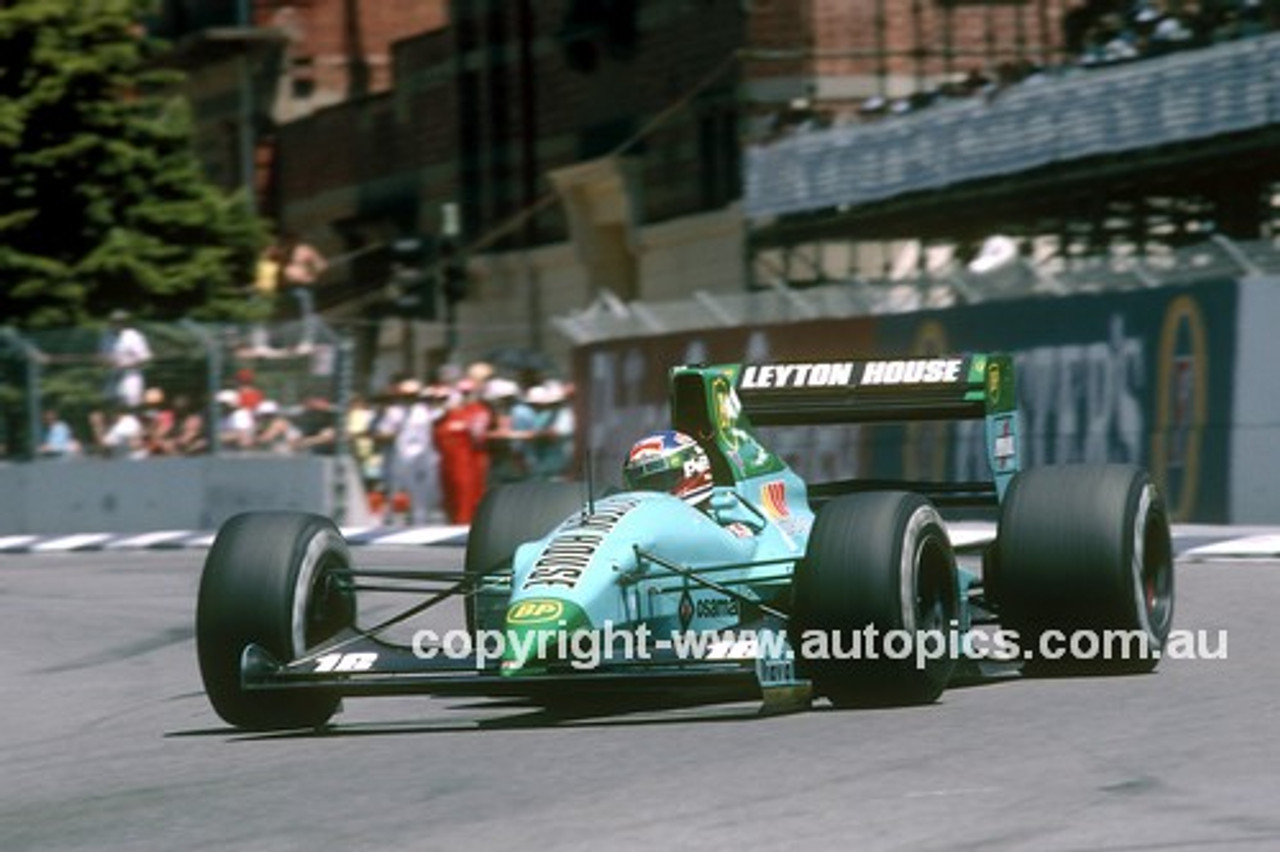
[
  {"x": 461, "y": 436},
  {"x": 250, "y": 395}
]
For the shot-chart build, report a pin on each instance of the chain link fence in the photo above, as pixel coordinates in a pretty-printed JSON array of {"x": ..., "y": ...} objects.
[{"x": 167, "y": 377}]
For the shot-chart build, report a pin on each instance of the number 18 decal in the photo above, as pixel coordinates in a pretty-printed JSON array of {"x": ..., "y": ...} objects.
[{"x": 361, "y": 662}]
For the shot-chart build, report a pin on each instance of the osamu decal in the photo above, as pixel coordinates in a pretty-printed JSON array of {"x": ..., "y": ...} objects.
[
  {"x": 535, "y": 611},
  {"x": 1181, "y": 406},
  {"x": 717, "y": 607},
  {"x": 569, "y": 552}
]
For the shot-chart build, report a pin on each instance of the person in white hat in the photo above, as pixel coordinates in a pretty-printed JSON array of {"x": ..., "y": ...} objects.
[
  {"x": 412, "y": 465},
  {"x": 507, "y": 461},
  {"x": 552, "y": 424},
  {"x": 237, "y": 427}
]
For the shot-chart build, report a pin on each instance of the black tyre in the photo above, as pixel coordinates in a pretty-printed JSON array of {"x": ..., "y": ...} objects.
[
  {"x": 507, "y": 517},
  {"x": 1085, "y": 549},
  {"x": 876, "y": 563},
  {"x": 270, "y": 579}
]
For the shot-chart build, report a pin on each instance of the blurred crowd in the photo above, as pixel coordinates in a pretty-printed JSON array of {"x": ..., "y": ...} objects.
[
  {"x": 429, "y": 450},
  {"x": 426, "y": 451}
]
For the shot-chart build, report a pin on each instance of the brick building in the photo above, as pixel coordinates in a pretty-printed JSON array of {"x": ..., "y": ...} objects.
[{"x": 574, "y": 150}]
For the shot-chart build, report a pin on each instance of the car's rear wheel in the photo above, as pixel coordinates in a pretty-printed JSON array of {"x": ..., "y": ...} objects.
[
  {"x": 1084, "y": 551},
  {"x": 273, "y": 579},
  {"x": 878, "y": 579},
  {"x": 509, "y": 516}
]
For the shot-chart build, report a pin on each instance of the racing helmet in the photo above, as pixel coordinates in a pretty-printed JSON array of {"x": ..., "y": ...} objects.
[{"x": 669, "y": 461}]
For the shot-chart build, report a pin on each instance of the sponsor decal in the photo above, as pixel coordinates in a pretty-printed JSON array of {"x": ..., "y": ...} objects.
[
  {"x": 568, "y": 554},
  {"x": 357, "y": 662},
  {"x": 685, "y": 609},
  {"x": 841, "y": 374},
  {"x": 739, "y": 529},
  {"x": 818, "y": 375},
  {"x": 914, "y": 371},
  {"x": 535, "y": 611},
  {"x": 717, "y": 607},
  {"x": 1005, "y": 446},
  {"x": 773, "y": 497},
  {"x": 993, "y": 383},
  {"x": 727, "y": 407},
  {"x": 1181, "y": 405}
]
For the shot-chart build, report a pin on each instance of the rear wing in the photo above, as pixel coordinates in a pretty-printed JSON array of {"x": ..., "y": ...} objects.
[
  {"x": 948, "y": 387},
  {"x": 721, "y": 404}
]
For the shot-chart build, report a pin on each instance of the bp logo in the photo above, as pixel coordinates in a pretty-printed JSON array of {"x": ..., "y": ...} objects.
[
  {"x": 535, "y": 611},
  {"x": 1181, "y": 402}
]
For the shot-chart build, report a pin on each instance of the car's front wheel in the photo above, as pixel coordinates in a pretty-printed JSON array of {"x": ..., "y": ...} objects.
[{"x": 273, "y": 579}]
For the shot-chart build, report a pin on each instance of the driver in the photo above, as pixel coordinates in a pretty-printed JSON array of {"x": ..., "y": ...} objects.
[{"x": 669, "y": 461}]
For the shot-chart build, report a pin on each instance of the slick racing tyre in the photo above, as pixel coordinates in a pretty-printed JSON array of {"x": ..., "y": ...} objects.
[
  {"x": 876, "y": 564},
  {"x": 508, "y": 516},
  {"x": 1084, "y": 551},
  {"x": 271, "y": 579}
]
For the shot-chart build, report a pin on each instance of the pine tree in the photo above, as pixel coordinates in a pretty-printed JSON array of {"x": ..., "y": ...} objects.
[{"x": 103, "y": 203}]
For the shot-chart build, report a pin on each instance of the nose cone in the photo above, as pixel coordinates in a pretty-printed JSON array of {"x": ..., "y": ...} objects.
[{"x": 541, "y": 632}]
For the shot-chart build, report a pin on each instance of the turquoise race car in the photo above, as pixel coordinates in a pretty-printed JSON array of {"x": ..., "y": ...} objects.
[{"x": 716, "y": 573}]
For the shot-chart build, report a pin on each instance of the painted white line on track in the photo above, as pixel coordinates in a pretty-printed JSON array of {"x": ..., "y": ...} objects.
[
  {"x": 71, "y": 542},
  {"x": 151, "y": 539},
  {"x": 425, "y": 535},
  {"x": 1249, "y": 546},
  {"x": 15, "y": 542}
]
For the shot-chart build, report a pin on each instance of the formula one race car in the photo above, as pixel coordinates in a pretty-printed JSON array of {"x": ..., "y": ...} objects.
[{"x": 717, "y": 574}]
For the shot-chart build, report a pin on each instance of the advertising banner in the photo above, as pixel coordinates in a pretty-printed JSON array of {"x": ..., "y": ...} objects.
[{"x": 1140, "y": 376}]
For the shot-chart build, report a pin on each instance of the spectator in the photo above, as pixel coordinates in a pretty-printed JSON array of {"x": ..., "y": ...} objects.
[
  {"x": 301, "y": 266},
  {"x": 415, "y": 470},
  {"x": 317, "y": 427},
  {"x": 189, "y": 437},
  {"x": 262, "y": 299},
  {"x": 361, "y": 418},
  {"x": 401, "y": 392},
  {"x": 461, "y": 436},
  {"x": 249, "y": 395},
  {"x": 507, "y": 462},
  {"x": 158, "y": 421},
  {"x": 57, "y": 441},
  {"x": 118, "y": 433},
  {"x": 550, "y": 450},
  {"x": 236, "y": 427},
  {"x": 126, "y": 350},
  {"x": 276, "y": 432}
]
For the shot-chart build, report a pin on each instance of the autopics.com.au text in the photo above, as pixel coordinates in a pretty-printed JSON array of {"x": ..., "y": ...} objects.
[{"x": 585, "y": 649}]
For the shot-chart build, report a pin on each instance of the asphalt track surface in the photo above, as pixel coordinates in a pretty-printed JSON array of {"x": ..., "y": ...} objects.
[{"x": 107, "y": 743}]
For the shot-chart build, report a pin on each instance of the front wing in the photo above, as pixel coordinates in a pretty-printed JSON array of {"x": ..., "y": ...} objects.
[{"x": 370, "y": 667}]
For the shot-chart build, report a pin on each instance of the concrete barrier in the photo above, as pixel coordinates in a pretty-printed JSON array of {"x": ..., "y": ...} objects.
[{"x": 146, "y": 495}]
